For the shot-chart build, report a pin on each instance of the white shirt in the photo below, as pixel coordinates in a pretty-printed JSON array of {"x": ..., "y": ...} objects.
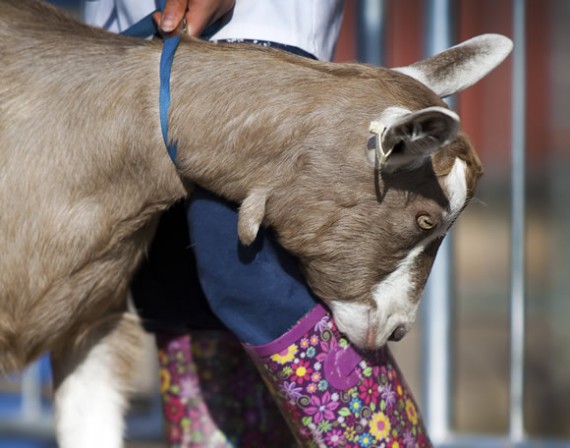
[{"x": 312, "y": 25}]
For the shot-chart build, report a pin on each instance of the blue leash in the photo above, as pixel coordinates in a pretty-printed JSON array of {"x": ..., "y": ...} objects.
[
  {"x": 147, "y": 27},
  {"x": 168, "y": 49}
]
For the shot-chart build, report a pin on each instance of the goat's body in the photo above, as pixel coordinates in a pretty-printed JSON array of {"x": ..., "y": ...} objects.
[{"x": 80, "y": 201}]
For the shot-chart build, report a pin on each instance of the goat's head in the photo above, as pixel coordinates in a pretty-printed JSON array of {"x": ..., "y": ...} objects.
[{"x": 375, "y": 193}]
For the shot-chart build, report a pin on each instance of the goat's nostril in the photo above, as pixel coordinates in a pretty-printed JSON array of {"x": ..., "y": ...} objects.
[{"x": 399, "y": 333}]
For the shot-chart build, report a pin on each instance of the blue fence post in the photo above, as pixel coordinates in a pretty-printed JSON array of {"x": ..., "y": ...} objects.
[
  {"x": 517, "y": 298},
  {"x": 371, "y": 19}
]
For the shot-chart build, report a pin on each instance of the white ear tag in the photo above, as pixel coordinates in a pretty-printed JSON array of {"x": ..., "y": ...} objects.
[{"x": 378, "y": 128}]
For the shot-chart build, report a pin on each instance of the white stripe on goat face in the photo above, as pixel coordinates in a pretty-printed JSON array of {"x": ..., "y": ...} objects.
[{"x": 396, "y": 307}]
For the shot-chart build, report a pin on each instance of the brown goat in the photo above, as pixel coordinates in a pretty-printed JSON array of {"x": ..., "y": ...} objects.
[{"x": 85, "y": 175}]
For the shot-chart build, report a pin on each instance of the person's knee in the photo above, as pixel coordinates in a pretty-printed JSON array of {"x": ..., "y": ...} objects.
[{"x": 255, "y": 290}]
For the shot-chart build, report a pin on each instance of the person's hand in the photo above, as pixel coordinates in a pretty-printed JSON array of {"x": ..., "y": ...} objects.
[{"x": 198, "y": 14}]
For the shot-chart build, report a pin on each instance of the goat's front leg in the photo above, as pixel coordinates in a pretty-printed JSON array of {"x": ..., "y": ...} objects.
[{"x": 91, "y": 381}]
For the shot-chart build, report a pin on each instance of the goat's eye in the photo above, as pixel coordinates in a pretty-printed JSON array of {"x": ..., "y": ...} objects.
[{"x": 425, "y": 221}]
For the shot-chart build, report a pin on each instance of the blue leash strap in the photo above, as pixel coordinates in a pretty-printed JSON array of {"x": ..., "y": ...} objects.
[
  {"x": 168, "y": 50},
  {"x": 145, "y": 28}
]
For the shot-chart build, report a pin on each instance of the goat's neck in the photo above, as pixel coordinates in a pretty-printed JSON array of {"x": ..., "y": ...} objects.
[{"x": 237, "y": 117}]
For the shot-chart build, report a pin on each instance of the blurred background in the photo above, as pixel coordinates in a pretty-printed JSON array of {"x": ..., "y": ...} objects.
[{"x": 502, "y": 119}]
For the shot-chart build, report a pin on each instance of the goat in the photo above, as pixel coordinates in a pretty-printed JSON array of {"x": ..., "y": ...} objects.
[{"x": 359, "y": 170}]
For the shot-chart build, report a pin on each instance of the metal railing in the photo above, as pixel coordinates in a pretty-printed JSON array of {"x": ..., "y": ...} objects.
[{"x": 437, "y": 301}]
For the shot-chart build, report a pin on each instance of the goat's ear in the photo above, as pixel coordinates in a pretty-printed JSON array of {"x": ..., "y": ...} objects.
[
  {"x": 251, "y": 213},
  {"x": 461, "y": 66},
  {"x": 409, "y": 138}
]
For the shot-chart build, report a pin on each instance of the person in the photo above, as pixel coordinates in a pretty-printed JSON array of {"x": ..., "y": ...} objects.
[{"x": 329, "y": 393}]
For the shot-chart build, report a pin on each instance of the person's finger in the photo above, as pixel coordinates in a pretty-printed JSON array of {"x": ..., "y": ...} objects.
[
  {"x": 156, "y": 17},
  {"x": 172, "y": 15},
  {"x": 202, "y": 13}
]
